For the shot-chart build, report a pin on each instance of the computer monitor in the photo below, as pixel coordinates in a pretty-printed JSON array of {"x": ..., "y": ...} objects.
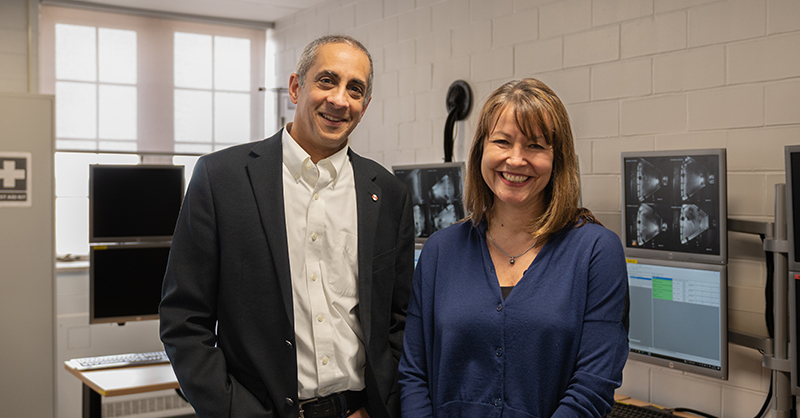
[
  {"x": 674, "y": 205},
  {"x": 437, "y": 192},
  {"x": 129, "y": 203},
  {"x": 792, "y": 167},
  {"x": 793, "y": 204},
  {"x": 678, "y": 315},
  {"x": 125, "y": 281}
]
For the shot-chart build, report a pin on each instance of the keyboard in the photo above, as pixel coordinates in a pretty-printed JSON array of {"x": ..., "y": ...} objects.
[
  {"x": 121, "y": 360},
  {"x": 624, "y": 410}
]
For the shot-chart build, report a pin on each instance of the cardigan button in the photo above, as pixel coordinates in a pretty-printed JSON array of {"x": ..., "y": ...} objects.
[
  {"x": 289, "y": 401},
  {"x": 497, "y": 402},
  {"x": 498, "y": 352},
  {"x": 499, "y": 307},
  {"x": 289, "y": 343}
]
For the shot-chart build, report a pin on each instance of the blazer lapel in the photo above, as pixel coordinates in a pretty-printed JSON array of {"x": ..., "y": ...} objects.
[
  {"x": 368, "y": 204},
  {"x": 265, "y": 170}
]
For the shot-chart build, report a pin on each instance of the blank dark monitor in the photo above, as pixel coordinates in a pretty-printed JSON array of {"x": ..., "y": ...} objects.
[
  {"x": 125, "y": 281},
  {"x": 793, "y": 204},
  {"x": 674, "y": 205},
  {"x": 134, "y": 202},
  {"x": 437, "y": 192},
  {"x": 678, "y": 315},
  {"x": 792, "y": 154}
]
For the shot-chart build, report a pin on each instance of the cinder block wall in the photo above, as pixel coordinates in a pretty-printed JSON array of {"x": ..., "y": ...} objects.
[{"x": 635, "y": 75}]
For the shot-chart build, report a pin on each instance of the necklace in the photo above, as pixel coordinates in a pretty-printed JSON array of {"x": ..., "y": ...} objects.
[{"x": 512, "y": 257}]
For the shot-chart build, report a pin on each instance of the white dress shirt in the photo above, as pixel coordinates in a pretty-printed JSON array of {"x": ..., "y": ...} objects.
[{"x": 322, "y": 231}]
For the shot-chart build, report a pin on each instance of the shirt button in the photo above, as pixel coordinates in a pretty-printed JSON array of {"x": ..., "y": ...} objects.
[
  {"x": 289, "y": 401},
  {"x": 499, "y": 307},
  {"x": 498, "y": 352},
  {"x": 320, "y": 317},
  {"x": 313, "y": 277},
  {"x": 324, "y": 361},
  {"x": 316, "y": 196},
  {"x": 314, "y": 236}
]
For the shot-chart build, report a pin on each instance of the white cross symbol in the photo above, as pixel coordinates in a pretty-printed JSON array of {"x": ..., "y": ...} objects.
[{"x": 10, "y": 174}]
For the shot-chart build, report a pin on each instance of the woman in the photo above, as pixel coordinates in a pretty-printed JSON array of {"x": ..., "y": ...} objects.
[{"x": 521, "y": 310}]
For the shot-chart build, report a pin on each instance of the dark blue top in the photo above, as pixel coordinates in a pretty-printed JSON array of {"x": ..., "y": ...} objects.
[{"x": 555, "y": 347}]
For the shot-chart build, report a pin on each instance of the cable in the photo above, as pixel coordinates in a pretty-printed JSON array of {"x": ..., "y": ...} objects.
[
  {"x": 769, "y": 296},
  {"x": 766, "y": 401}
]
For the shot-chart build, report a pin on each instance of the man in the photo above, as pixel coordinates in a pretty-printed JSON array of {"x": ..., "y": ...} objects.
[{"x": 291, "y": 263}]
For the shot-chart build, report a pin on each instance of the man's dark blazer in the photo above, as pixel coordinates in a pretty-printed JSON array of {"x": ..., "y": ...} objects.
[{"x": 227, "y": 319}]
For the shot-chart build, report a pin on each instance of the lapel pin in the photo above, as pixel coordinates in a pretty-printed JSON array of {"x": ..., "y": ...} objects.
[{"x": 374, "y": 197}]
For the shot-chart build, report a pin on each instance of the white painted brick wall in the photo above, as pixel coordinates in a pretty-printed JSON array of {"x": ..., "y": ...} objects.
[
  {"x": 654, "y": 115},
  {"x": 595, "y": 120},
  {"x": 564, "y": 17},
  {"x": 653, "y": 35},
  {"x": 605, "y": 12},
  {"x": 515, "y": 28},
  {"x": 13, "y": 47},
  {"x": 689, "y": 70},
  {"x": 572, "y": 86},
  {"x": 592, "y": 47},
  {"x": 782, "y": 102},
  {"x": 482, "y": 10},
  {"x": 493, "y": 64},
  {"x": 768, "y": 59},
  {"x": 539, "y": 56},
  {"x": 726, "y": 21},
  {"x": 727, "y": 107},
  {"x": 630, "y": 78},
  {"x": 635, "y": 75},
  {"x": 783, "y": 16}
]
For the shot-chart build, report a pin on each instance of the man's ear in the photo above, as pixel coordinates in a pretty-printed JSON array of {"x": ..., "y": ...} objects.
[{"x": 294, "y": 87}]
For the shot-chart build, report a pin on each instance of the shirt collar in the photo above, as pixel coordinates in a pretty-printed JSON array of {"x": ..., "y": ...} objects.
[{"x": 294, "y": 156}]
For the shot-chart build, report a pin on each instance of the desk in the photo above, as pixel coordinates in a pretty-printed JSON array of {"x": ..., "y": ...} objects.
[
  {"x": 629, "y": 400},
  {"x": 120, "y": 381}
]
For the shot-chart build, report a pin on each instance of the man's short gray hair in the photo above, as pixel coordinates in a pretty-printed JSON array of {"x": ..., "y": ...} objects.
[{"x": 310, "y": 54}]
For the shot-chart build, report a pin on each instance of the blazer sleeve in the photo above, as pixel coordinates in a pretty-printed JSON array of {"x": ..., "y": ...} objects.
[
  {"x": 188, "y": 312},
  {"x": 603, "y": 346},
  {"x": 418, "y": 344}
]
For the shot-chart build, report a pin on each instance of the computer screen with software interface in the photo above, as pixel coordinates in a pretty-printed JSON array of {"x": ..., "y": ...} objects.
[{"x": 678, "y": 315}]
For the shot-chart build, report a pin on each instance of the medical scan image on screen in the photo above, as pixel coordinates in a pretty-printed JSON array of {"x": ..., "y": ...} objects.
[
  {"x": 672, "y": 203},
  {"x": 436, "y": 193},
  {"x": 676, "y": 315}
]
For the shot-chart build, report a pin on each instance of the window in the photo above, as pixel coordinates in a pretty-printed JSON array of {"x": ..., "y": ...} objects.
[{"x": 133, "y": 89}]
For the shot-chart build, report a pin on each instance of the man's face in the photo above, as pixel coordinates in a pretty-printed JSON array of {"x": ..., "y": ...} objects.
[{"x": 331, "y": 102}]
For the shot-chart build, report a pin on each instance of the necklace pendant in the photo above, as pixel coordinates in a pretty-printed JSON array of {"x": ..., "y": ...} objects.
[{"x": 512, "y": 260}]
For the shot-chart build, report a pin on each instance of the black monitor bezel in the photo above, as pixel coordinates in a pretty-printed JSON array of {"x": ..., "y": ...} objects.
[
  {"x": 794, "y": 262},
  {"x": 460, "y": 165},
  {"x": 722, "y": 374},
  {"x": 94, "y": 238},
  {"x": 93, "y": 319},
  {"x": 722, "y": 257},
  {"x": 794, "y": 269}
]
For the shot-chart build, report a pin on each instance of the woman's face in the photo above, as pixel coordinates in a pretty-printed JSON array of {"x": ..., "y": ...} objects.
[{"x": 516, "y": 168}]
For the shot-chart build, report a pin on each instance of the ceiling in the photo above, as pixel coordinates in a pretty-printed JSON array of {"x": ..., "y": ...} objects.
[{"x": 252, "y": 10}]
